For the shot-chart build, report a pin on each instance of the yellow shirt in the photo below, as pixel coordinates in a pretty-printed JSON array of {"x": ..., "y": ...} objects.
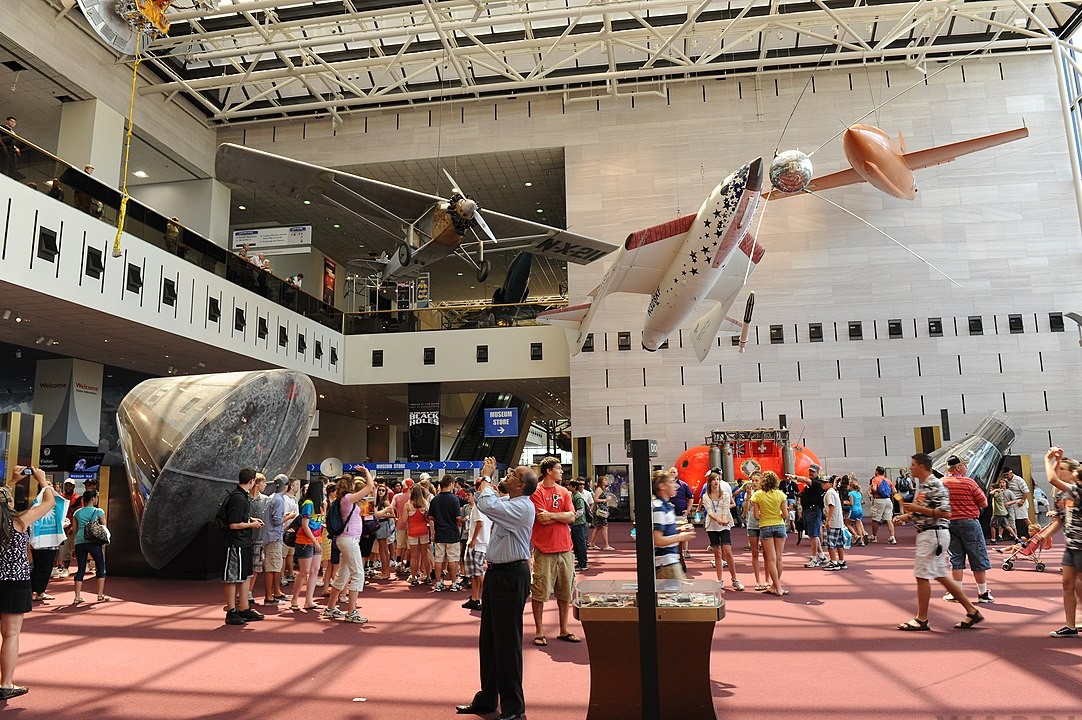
[{"x": 771, "y": 505}]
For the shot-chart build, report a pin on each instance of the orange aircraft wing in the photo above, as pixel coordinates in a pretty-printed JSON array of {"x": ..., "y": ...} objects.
[
  {"x": 833, "y": 180},
  {"x": 946, "y": 153}
]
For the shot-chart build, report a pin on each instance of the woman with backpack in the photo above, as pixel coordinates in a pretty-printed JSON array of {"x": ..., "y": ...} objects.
[
  {"x": 348, "y": 519},
  {"x": 85, "y": 546}
]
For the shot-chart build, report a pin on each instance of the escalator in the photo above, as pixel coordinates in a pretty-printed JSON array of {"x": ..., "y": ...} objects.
[{"x": 471, "y": 443}]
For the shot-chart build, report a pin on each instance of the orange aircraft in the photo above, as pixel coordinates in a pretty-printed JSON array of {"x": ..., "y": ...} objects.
[{"x": 876, "y": 159}]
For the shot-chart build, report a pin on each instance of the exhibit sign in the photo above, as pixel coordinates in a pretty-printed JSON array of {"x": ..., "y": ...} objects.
[
  {"x": 328, "y": 281},
  {"x": 67, "y": 393},
  {"x": 423, "y": 289},
  {"x": 262, "y": 238},
  {"x": 501, "y": 422}
]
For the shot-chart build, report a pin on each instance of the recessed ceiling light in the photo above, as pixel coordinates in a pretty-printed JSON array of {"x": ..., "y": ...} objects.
[
  {"x": 336, "y": 225},
  {"x": 139, "y": 174},
  {"x": 540, "y": 210},
  {"x": 307, "y": 202},
  {"x": 322, "y": 396},
  {"x": 529, "y": 184},
  {"x": 460, "y": 274},
  {"x": 242, "y": 207},
  {"x": 106, "y": 340}
]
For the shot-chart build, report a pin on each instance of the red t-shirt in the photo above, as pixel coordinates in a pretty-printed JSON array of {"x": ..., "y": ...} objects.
[
  {"x": 966, "y": 496},
  {"x": 398, "y": 502},
  {"x": 554, "y": 537}
]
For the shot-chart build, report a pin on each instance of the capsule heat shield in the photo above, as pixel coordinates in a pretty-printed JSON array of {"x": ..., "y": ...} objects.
[{"x": 185, "y": 438}]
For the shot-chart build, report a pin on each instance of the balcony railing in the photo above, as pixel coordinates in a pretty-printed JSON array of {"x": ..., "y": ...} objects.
[{"x": 70, "y": 185}]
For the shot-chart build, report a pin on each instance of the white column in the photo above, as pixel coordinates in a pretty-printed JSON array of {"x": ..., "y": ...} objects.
[
  {"x": 201, "y": 205},
  {"x": 92, "y": 133}
]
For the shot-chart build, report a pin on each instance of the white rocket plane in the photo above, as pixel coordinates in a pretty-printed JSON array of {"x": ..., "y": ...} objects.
[{"x": 681, "y": 264}]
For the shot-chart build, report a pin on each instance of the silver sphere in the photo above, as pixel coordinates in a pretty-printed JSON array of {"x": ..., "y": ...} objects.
[{"x": 791, "y": 171}]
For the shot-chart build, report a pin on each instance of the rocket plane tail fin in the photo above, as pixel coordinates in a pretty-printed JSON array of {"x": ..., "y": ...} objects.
[{"x": 574, "y": 319}]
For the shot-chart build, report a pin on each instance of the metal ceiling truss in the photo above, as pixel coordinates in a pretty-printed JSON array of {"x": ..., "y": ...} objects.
[{"x": 259, "y": 60}]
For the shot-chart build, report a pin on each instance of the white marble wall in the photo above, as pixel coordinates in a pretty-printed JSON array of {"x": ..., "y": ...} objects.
[{"x": 1003, "y": 223}]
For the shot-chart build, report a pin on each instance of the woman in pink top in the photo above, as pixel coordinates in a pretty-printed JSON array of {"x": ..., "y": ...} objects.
[{"x": 351, "y": 565}]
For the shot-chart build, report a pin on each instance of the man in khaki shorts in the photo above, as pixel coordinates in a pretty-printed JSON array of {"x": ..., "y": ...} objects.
[{"x": 553, "y": 559}]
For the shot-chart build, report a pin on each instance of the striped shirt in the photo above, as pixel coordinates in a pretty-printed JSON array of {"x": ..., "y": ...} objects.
[
  {"x": 664, "y": 519},
  {"x": 932, "y": 495},
  {"x": 967, "y": 498}
]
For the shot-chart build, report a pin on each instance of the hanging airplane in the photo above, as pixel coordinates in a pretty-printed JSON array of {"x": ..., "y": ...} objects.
[
  {"x": 428, "y": 228},
  {"x": 681, "y": 263},
  {"x": 876, "y": 159}
]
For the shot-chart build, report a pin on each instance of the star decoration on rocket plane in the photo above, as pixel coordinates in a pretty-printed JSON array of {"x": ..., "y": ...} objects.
[{"x": 714, "y": 230}]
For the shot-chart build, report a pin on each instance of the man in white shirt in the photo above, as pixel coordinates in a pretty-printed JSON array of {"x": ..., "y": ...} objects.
[
  {"x": 476, "y": 550},
  {"x": 834, "y": 537}
]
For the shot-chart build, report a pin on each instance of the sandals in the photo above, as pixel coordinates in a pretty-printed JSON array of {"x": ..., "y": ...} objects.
[
  {"x": 76, "y": 601},
  {"x": 569, "y": 637},
  {"x": 610, "y": 547},
  {"x": 104, "y": 598},
  {"x": 783, "y": 593},
  {"x": 540, "y": 641},
  {"x": 760, "y": 587},
  {"x": 914, "y": 625},
  {"x": 13, "y": 691},
  {"x": 971, "y": 619}
]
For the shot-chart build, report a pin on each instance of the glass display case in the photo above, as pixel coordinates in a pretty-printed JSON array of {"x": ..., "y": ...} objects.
[{"x": 685, "y": 600}]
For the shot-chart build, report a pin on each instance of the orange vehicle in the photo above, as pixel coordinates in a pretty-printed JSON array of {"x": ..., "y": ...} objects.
[{"x": 693, "y": 465}]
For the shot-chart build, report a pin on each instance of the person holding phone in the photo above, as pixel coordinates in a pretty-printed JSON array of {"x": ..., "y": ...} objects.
[
  {"x": 15, "y": 590},
  {"x": 504, "y": 594}
]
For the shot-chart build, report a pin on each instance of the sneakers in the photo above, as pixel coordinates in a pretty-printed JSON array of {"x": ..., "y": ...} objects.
[
  {"x": 356, "y": 618},
  {"x": 815, "y": 562},
  {"x": 986, "y": 597},
  {"x": 472, "y": 604},
  {"x": 272, "y": 602},
  {"x": 835, "y": 566},
  {"x": 232, "y": 617},
  {"x": 1065, "y": 631},
  {"x": 250, "y": 615},
  {"x": 333, "y": 613},
  {"x": 455, "y": 586},
  {"x": 440, "y": 587},
  {"x": 949, "y": 598},
  {"x": 892, "y": 540}
]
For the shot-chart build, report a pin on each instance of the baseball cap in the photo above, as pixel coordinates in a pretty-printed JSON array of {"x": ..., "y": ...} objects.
[
  {"x": 954, "y": 460},
  {"x": 424, "y": 476},
  {"x": 814, "y": 468},
  {"x": 69, "y": 481},
  {"x": 825, "y": 478}
]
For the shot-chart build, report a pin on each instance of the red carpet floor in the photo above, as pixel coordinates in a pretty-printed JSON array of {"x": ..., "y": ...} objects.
[{"x": 161, "y": 650}]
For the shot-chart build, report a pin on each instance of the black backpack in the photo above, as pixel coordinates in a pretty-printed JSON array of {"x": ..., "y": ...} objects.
[
  {"x": 334, "y": 522},
  {"x": 220, "y": 518}
]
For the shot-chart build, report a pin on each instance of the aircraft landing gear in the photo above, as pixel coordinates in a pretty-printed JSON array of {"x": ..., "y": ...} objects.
[
  {"x": 405, "y": 254},
  {"x": 483, "y": 269}
]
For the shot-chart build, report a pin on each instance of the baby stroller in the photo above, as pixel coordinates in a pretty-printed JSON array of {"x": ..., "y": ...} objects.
[{"x": 1030, "y": 550}]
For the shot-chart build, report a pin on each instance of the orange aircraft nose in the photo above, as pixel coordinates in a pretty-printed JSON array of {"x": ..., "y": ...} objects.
[{"x": 878, "y": 160}]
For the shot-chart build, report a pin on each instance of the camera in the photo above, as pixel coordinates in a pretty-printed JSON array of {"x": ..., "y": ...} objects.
[{"x": 28, "y": 471}]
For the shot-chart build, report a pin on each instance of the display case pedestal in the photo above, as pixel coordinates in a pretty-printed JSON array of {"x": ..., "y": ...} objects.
[{"x": 684, "y": 639}]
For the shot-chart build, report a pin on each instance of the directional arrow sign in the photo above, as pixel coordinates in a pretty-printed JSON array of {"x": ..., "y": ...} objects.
[{"x": 500, "y": 422}]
